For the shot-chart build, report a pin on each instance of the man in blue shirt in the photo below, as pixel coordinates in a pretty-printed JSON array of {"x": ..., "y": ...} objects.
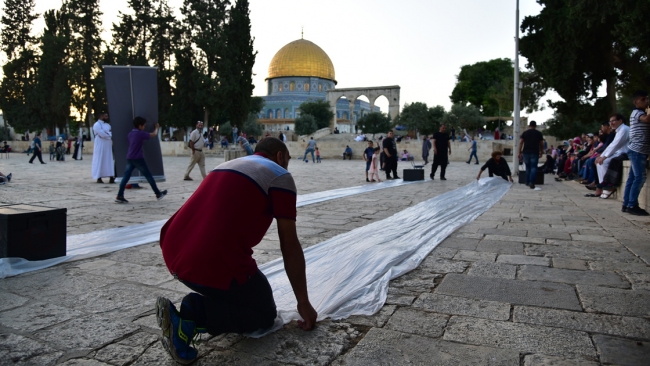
[
  {"x": 135, "y": 159},
  {"x": 347, "y": 153},
  {"x": 367, "y": 156},
  {"x": 37, "y": 150},
  {"x": 473, "y": 148}
]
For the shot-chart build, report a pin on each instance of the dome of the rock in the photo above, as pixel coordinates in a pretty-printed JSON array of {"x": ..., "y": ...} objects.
[{"x": 301, "y": 58}]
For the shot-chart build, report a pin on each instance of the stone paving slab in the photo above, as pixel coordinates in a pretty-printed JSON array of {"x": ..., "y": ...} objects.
[
  {"x": 521, "y": 337},
  {"x": 538, "y": 293},
  {"x": 587, "y": 322},
  {"x": 523, "y": 259},
  {"x": 570, "y": 276},
  {"x": 494, "y": 270},
  {"x": 381, "y": 346},
  {"x": 413, "y": 321},
  {"x": 622, "y": 351},
  {"x": 463, "y": 306},
  {"x": 614, "y": 301},
  {"x": 545, "y": 360}
]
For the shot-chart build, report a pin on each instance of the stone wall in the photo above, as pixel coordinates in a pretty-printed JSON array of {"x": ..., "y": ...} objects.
[
  {"x": 334, "y": 149},
  {"x": 644, "y": 197},
  {"x": 169, "y": 148}
]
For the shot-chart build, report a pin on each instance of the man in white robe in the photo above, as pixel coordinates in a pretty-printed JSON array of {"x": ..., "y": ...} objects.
[{"x": 103, "y": 165}]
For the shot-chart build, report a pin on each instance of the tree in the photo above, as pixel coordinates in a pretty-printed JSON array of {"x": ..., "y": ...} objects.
[
  {"x": 185, "y": 110},
  {"x": 16, "y": 89},
  {"x": 241, "y": 58},
  {"x": 203, "y": 24},
  {"x": 418, "y": 117},
  {"x": 373, "y": 123},
  {"x": 226, "y": 130},
  {"x": 489, "y": 86},
  {"x": 320, "y": 110},
  {"x": 86, "y": 42},
  {"x": 251, "y": 127},
  {"x": 305, "y": 124},
  {"x": 466, "y": 117},
  {"x": 576, "y": 47},
  {"x": 257, "y": 104},
  {"x": 52, "y": 90},
  {"x": 563, "y": 127},
  {"x": 163, "y": 43}
]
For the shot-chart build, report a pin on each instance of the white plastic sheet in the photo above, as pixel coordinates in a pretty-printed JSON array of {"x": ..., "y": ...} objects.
[
  {"x": 101, "y": 242},
  {"x": 349, "y": 273}
]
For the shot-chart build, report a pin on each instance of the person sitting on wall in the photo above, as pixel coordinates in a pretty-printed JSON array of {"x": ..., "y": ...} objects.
[
  {"x": 406, "y": 156},
  {"x": 224, "y": 142},
  {"x": 347, "y": 153},
  {"x": 336, "y": 130}
]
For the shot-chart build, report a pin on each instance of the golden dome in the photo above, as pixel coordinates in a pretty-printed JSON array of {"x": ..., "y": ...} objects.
[{"x": 301, "y": 58}]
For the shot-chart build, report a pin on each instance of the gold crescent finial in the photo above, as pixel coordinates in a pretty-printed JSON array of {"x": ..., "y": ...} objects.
[{"x": 302, "y": 33}]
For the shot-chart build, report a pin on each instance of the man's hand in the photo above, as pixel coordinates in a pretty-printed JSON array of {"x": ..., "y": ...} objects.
[
  {"x": 435, "y": 151},
  {"x": 308, "y": 315},
  {"x": 510, "y": 177},
  {"x": 541, "y": 154},
  {"x": 600, "y": 160}
]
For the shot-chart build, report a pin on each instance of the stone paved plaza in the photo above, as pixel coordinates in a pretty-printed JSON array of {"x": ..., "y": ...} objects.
[{"x": 542, "y": 278}]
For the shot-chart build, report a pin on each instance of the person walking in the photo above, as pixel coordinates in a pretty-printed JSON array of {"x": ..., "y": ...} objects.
[
  {"x": 37, "y": 150},
  {"x": 311, "y": 146},
  {"x": 531, "y": 148},
  {"x": 198, "y": 157},
  {"x": 426, "y": 147},
  {"x": 78, "y": 148},
  {"x": 441, "y": 152},
  {"x": 389, "y": 146},
  {"x": 135, "y": 159},
  {"x": 235, "y": 133},
  {"x": 103, "y": 165},
  {"x": 638, "y": 150},
  {"x": 229, "y": 293},
  {"x": 367, "y": 156},
  {"x": 473, "y": 153}
]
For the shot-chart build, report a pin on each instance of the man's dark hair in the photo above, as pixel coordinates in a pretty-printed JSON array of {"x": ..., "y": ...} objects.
[
  {"x": 606, "y": 123},
  {"x": 533, "y": 123},
  {"x": 389, "y": 131},
  {"x": 270, "y": 146},
  {"x": 618, "y": 116},
  {"x": 139, "y": 121},
  {"x": 639, "y": 94}
]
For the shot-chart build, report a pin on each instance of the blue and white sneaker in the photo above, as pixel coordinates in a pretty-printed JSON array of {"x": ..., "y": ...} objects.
[{"x": 177, "y": 334}]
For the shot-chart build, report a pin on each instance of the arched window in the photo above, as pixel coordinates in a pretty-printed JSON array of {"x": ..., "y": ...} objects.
[
  {"x": 286, "y": 113},
  {"x": 278, "y": 113},
  {"x": 306, "y": 86},
  {"x": 320, "y": 87},
  {"x": 292, "y": 86},
  {"x": 280, "y": 87},
  {"x": 270, "y": 114},
  {"x": 297, "y": 112}
]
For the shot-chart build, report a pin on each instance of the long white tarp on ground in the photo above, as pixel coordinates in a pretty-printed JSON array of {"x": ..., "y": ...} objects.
[
  {"x": 101, "y": 242},
  {"x": 349, "y": 273}
]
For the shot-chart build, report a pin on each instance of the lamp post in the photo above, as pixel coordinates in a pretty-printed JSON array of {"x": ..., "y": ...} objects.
[{"x": 516, "y": 122}]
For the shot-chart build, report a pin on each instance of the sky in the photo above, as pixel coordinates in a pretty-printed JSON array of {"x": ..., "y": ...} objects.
[{"x": 419, "y": 45}]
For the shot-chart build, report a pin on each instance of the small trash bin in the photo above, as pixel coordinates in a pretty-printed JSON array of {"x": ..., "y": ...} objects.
[{"x": 32, "y": 232}]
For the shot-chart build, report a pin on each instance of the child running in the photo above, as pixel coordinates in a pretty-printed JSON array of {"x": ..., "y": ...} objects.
[{"x": 374, "y": 170}]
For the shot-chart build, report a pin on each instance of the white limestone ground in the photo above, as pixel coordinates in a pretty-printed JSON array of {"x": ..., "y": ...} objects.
[{"x": 532, "y": 281}]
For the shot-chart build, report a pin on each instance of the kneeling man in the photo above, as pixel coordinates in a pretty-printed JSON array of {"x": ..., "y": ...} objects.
[{"x": 207, "y": 245}]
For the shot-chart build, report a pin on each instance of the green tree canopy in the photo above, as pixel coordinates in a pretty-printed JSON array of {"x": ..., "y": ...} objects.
[
  {"x": 320, "y": 110},
  {"x": 565, "y": 128},
  {"x": 418, "y": 117},
  {"x": 465, "y": 117},
  {"x": 374, "y": 122},
  {"x": 251, "y": 127},
  {"x": 576, "y": 47},
  {"x": 17, "y": 87},
  {"x": 305, "y": 124}
]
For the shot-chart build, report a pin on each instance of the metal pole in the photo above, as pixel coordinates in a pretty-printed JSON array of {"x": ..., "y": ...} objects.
[{"x": 515, "y": 123}]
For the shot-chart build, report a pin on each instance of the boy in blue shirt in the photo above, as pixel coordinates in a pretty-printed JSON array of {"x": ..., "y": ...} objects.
[{"x": 135, "y": 159}]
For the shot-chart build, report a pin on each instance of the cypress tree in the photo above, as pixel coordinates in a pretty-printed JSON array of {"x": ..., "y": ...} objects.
[
  {"x": 204, "y": 27},
  {"x": 241, "y": 57},
  {"x": 85, "y": 47},
  {"x": 52, "y": 91},
  {"x": 163, "y": 43},
  {"x": 16, "y": 89}
]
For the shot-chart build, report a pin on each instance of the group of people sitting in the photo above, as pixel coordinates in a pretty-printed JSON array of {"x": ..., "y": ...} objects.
[{"x": 596, "y": 159}]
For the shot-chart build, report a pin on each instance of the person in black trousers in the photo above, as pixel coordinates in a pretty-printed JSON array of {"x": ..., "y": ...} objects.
[
  {"x": 441, "y": 152},
  {"x": 496, "y": 166},
  {"x": 390, "y": 151},
  {"x": 37, "y": 150}
]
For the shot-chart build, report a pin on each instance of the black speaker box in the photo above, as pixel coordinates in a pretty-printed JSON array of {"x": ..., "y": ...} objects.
[
  {"x": 32, "y": 232},
  {"x": 413, "y": 174}
]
